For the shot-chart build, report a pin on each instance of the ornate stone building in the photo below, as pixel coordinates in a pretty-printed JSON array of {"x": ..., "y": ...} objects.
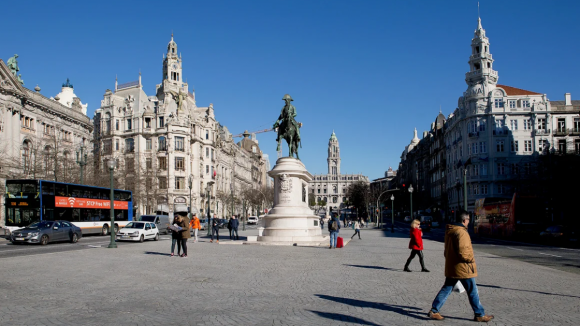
[
  {"x": 332, "y": 187},
  {"x": 38, "y": 135},
  {"x": 161, "y": 142}
]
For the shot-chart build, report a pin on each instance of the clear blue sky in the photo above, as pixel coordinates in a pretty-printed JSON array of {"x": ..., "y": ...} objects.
[{"x": 370, "y": 70}]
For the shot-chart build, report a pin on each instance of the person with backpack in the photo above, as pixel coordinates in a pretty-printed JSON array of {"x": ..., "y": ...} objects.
[
  {"x": 356, "y": 227},
  {"x": 333, "y": 228}
]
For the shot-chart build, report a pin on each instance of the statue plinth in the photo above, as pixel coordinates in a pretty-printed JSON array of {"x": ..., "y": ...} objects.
[{"x": 291, "y": 220}]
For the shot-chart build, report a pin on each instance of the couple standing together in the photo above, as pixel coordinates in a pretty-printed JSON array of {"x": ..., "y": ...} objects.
[
  {"x": 459, "y": 266},
  {"x": 179, "y": 235}
]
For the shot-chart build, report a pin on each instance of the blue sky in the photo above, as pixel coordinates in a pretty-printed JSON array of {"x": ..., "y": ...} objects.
[{"x": 369, "y": 70}]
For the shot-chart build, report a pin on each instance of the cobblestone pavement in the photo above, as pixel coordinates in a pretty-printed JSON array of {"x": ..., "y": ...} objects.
[{"x": 361, "y": 284}]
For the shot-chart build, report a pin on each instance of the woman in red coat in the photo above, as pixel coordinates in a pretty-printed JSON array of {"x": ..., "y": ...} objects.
[{"x": 416, "y": 246}]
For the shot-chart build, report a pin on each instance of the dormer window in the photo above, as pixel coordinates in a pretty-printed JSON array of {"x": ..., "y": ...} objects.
[{"x": 477, "y": 49}]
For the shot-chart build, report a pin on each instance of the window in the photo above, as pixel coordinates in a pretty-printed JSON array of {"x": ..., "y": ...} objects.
[
  {"x": 129, "y": 124},
  {"x": 162, "y": 182},
  {"x": 148, "y": 144},
  {"x": 562, "y": 145},
  {"x": 148, "y": 163},
  {"x": 147, "y": 123},
  {"x": 483, "y": 147},
  {"x": 179, "y": 164},
  {"x": 107, "y": 147},
  {"x": 117, "y": 124},
  {"x": 212, "y": 153},
  {"x": 527, "y": 168},
  {"x": 482, "y": 125},
  {"x": 161, "y": 122},
  {"x": 179, "y": 183},
  {"x": 515, "y": 146},
  {"x": 207, "y": 134},
  {"x": 576, "y": 124},
  {"x": 499, "y": 146},
  {"x": 527, "y": 145},
  {"x": 526, "y": 103},
  {"x": 207, "y": 169},
  {"x": 512, "y": 104},
  {"x": 514, "y": 124},
  {"x": 483, "y": 169},
  {"x": 179, "y": 144},
  {"x": 318, "y": 192},
  {"x": 515, "y": 169},
  {"x": 543, "y": 145},
  {"x": 500, "y": 188},
  {"x": 162, "y": 144},
  {"x": 476, "y": 189},
  {"x": 527, "y": 124},
  {"x": 561, "y": 124},
  {"x": 577, "y": 146},
  {"x": 129, "y": 164},
  {"x": 162, "y": 163},
  {"x": 541, "y": 124},
  {"x": 207, "y": 152},
  {"x": 116, "y": 144},
  {"x": 129, "y": 145},
  {"x": 501, "y": 168},
  {"x": 324, "y": 190},
  {"x": 498, "y": 103}
]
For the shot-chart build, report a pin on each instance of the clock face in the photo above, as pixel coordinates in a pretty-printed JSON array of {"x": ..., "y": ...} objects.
[{"x": 174, "y": 66}]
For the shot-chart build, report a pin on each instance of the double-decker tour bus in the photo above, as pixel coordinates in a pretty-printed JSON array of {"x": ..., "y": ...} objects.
[
  {"x": 506, "y": 218},
  {"x": 29, "y": 201}
]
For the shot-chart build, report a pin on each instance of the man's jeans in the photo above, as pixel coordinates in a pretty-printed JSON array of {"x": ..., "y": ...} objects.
[
  {"x": 333, "y": 236},
  {"x": 470, "y": 288}
]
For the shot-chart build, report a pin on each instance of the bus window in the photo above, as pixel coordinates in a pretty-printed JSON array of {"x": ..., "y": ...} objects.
[
  {"x": 13, "y": 188},
  {"x": 60, "y": 190},
  {"x": 22, "y": 217},
  {"x": 30, "y": 188},
  {"x": 47, "y": 188}
]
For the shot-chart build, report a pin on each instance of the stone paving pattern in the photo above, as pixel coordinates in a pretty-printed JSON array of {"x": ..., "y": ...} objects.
[{"x": 361, "y": 284}]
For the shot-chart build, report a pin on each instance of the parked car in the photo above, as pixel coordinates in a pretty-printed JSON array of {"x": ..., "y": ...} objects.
[
  {"x": 426, "y": 223},
  {"x": 161, "y": 221},
  {"x": 203, "y": 224},
  {"x": 559, "y": 233},
  {"x": 47, "y": 231},
  {"x": 253, "y": 220},
  {"x": 138, "y": 231},
  {"x": 407, "y": 219}
]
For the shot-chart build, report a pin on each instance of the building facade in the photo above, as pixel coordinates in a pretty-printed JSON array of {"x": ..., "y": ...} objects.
[
  {"x": 331, "y": 188},
  {"x": 168, "y": 148},
  {"x": 38, "y": 135}
]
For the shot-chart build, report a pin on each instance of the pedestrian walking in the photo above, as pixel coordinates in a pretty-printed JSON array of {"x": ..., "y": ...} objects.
[
  {"x": 185, "y": 234},
  {"x": 459, "y": 267},
  {"x": 235, "y": 225},
  {"x": 215, "y": 229},
  {"x": 230, "y": 227},
  {"x": 334, "y": 229},
  {"x": 416, "y": 246},
  {"x": 322, "y": 223},
  {"x": 356, "y": 227},
  {"x": 175, "y": 236},
  {"x": 195, "y": 226}
]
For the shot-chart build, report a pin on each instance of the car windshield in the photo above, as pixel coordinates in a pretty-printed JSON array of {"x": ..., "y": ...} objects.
[
  {"x": 134, "y": 225},
  {"x": 146, "y": 218},
  {"x": 41, "y": 225}
]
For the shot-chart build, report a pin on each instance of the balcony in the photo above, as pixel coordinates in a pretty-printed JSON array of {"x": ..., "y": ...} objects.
[
  {"x": 474, "y": 134},
  {"x": 574, "y": 132},
  {"x": 561, "y": 132},
  {"x": 500, "y": 132},
  {"x": 541, "y": 132}
]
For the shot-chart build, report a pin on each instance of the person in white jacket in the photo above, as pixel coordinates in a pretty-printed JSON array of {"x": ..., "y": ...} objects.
[{"x": 356, "y": 227}]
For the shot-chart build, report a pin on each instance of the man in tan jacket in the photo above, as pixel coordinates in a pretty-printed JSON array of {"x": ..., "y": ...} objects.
[{"x": 459, "y": 267}]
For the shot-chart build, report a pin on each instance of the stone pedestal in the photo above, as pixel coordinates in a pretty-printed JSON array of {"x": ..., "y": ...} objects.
[{"x": 291, "y": 220}]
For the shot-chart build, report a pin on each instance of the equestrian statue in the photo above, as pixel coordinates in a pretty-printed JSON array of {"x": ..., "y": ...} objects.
[{"x": 288, "y": 128}]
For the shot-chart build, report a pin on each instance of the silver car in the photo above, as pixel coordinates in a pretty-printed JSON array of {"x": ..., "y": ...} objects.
[{"x": 47, "y": 231}]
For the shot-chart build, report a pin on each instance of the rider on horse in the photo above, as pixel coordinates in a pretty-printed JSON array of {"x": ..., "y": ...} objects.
[{"x": 287, "y": 127}]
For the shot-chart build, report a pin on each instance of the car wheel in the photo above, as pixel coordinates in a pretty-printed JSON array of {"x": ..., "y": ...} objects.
[
  {"x": 116, "y": 229},
  {"x": 156, "y": 237},
  {"x": 105, "y": 230},
  {"x": 142, "y": 238},
  {"x": 44, "y": 240},
  {"x": 74, "y": 238}
]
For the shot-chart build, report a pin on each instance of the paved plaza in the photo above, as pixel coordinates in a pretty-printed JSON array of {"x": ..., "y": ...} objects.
[{"x": 226, "y": 284}]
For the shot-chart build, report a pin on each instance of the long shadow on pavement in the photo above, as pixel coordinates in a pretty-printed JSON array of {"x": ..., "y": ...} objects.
[
  {"x": 341, "y": 317},
  {"x": 156, "y": 253},
  {"x": 412, "y": 312},
  {"x": 375, "y": 267},
  {"x": 540, "y": 292}
]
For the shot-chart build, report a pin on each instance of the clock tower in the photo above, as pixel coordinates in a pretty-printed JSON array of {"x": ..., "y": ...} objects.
[
  {"x": 172, "y": 71},
  {"x": 333, "y": 155}
]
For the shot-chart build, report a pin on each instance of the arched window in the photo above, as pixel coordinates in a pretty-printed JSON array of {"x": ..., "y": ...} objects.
[{"x": 162, "y": 145}]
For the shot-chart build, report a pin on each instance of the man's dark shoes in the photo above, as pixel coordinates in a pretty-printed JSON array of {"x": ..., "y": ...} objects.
[
  {"x": 483, "y": 319},
  {"x": 435, "y": 315},
  {"x": 425, "y": 270},
  {"x": 406, "y": 269}
]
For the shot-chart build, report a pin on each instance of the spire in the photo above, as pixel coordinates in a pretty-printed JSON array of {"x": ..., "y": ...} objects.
[
  {"x": 116, "y": 83},
  {"x": 139, "y": 77}
]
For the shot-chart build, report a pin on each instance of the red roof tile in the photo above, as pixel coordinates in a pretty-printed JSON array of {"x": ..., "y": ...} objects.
[{"x": 516, "y": 91}]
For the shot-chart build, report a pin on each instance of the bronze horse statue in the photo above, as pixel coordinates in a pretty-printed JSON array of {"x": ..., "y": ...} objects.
[{"x": 288, "y": 128}]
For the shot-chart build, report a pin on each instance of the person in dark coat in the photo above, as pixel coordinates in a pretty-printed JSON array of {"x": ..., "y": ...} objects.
[
  {"x": 175, "y": 236},
  {"x": 235, "y": 224},
  {"x": 416, "y": 246},
  {"x": 185, "y": 234},
  {"x": 215, "y": 228},
  {"x": 230, "y": 228}
]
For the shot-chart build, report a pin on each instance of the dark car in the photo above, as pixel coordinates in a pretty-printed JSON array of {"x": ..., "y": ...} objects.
[
  {"x": 426, "y": 223},
  {"x": 47, "y": 231},
  {"x": 559, "y": 233}
]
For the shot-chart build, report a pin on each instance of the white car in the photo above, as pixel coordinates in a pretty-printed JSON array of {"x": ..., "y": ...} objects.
[
  {"x": 138, "y": 231},
  {"x": 252, "y": 220}
]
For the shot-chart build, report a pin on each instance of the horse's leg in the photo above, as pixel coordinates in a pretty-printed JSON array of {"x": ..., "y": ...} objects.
[
  {"x": 290, "y": 147},
  {"x": 278, "y": 148}
]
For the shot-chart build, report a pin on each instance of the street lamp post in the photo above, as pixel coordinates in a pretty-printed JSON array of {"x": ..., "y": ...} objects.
[
  {"x": 392, "y": 213},
  {"x": 82, "y": 161},
  {"x": 244, "y": 215},
  {"x": 411, "y": 199},
  {"x": 111, "y": 164},
  {"x": 208, "y": 188},
  {"x": 190, "y": 184}
]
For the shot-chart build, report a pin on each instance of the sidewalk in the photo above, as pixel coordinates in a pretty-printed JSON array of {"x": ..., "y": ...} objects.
[{"x": 361, "y": 284}]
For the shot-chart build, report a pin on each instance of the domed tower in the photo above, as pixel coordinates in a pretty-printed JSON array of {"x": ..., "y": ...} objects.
[
  {"x": 333, "y": 155},
  {"x": 172, "y": 64},
  {"x": 481, "y": 61}
]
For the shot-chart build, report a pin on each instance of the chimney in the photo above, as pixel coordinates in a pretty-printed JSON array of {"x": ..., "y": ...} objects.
[{"x": 568, "y": 99}]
